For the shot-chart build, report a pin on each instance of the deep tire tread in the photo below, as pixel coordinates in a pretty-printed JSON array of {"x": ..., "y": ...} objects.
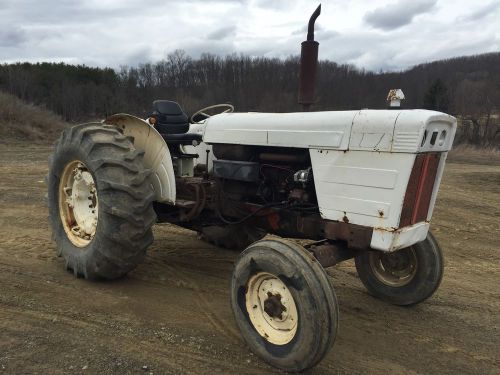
[{"x": 125, "y": 198}]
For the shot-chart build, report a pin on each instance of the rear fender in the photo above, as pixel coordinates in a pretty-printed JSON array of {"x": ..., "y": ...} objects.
[{"x": 157, "y": 156}]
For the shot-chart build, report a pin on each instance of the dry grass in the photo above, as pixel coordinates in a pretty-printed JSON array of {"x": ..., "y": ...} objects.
[
  {"x": 469, "y": 154},
  {"x": 26, "y": 122}
]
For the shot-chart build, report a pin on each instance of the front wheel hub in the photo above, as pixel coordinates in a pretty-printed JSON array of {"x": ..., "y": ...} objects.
[
  {"x": 271, "y": 308},
  {"x": 394, "y": 269},
  {"x": 78, "y": 203}
]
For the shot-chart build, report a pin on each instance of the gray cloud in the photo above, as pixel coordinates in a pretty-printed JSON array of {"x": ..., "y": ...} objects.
[
  {"x": 303, "y": 29},
  {"x": 117, "y": 32},
  {"x": 482, "y": 12},
  {"x": 12, "y": 36},
  {"x": 274, "y": 4},
  {"x": 139, "y": 56},
  {"x": 396, "y": 15},
  {"x": 222, "y": 33}
]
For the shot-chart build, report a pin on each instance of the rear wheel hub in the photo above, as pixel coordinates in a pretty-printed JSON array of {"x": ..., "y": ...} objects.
[{"x": 78, "y": 203}]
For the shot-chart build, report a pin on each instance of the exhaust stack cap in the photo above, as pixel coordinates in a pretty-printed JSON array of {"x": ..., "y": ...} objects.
[
  {"x": 395, "y": 97},
  {"x": 312, "y": 20},
  {"x": 308, "y": 64}
]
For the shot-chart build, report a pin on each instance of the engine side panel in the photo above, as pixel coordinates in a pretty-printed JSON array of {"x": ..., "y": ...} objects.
[
  {"x": 367, "y": 188},
  {"x": 361, "y": 187}
]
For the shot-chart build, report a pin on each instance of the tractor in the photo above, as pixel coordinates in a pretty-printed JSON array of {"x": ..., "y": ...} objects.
[{"x": 355, "y": 184}]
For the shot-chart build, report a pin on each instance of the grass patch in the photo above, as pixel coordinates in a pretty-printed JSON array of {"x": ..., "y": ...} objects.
[
  {"x": 473, "y": 155},
  {"x": 20, "y": 121}
]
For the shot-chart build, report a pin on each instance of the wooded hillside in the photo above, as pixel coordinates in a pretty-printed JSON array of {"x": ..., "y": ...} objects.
[{"x": 467, "y": 87}]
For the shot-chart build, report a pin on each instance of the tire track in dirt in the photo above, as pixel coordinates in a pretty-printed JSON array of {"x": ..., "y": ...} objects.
[
  {"x": 172, "y": 313},
  {"x": 119, "y": 334},
  {"x": 206, "y": 308}
]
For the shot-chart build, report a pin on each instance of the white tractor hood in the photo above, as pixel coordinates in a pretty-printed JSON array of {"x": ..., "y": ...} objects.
[{"x": 367, "y": 130}]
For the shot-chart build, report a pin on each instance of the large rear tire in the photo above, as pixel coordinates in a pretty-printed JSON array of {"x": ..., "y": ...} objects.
[
  {"x": 100, "y": 201},
  {"x": 284, "y": 304},
  {"x": 405, "y": 277}
]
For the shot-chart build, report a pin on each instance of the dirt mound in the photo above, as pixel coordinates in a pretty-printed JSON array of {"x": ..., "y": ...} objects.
[{"x": 20, "y": 121}]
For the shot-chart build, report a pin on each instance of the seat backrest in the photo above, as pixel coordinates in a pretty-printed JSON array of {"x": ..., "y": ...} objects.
[{"x": 170, "y": 117}]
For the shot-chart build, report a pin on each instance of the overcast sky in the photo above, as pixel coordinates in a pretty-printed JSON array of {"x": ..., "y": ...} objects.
[{"x": 372, "y": 34}]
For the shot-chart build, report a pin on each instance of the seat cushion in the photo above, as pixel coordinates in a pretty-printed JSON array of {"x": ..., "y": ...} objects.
[
  {"x": 170, "y": 117},
  {"x": 167, "y": 107}
]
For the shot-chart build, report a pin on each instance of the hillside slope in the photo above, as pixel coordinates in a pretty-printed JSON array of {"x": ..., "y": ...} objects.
[
  {"x": 20, "y": 121},
  {"x": 468, "y": 85}
]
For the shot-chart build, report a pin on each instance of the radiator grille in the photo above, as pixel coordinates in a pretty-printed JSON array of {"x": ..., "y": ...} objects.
[{"x": 419, "y": 191}]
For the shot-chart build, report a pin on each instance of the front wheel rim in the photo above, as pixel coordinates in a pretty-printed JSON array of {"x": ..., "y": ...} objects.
[
  {"x": 78, "y": 203},
  {"x": 271, "y": 308},
  {"x": 394, "y": 269}
]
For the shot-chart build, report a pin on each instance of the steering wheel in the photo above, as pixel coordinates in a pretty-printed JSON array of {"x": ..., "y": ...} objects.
[{"x": 203, "y": 112}]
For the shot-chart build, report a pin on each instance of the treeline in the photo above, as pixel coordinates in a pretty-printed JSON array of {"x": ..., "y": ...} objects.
[{"x": 468, "y": 87}]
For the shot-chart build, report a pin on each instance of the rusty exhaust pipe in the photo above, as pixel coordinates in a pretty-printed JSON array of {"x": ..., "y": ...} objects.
[{"x": 308, "y": 64}]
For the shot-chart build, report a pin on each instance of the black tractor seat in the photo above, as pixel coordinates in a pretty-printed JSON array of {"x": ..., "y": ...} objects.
[
  {"x": 173, "y": 125},
  {"x": 170, "y": 119}
]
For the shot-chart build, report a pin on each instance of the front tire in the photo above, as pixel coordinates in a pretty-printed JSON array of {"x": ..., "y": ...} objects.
[
  {"x": 405, "y": 277},
  {"x": 284, "y": 304},
  {"x": 100, "y": 201}
]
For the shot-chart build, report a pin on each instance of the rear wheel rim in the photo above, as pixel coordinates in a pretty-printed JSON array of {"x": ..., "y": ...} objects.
[
  {"x": 394, "y": 269},
  {"x": 78, "y": 203},
  {"x": 271, "y": 308}
]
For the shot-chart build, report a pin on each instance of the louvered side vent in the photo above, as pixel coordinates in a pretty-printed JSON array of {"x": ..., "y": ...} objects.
[
  {"x": 406, "y": 141},
  {"x": 419, "y": 191}
]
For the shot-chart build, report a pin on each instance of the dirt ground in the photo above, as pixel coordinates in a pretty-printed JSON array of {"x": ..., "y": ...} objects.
[{"x": 172, "y": 314}]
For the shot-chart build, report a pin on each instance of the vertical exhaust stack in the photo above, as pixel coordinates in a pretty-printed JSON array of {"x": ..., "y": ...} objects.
[{"x": 308, "y": 64}]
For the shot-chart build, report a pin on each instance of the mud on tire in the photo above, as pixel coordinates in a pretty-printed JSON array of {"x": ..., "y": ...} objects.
[{"x": 125, "y": 212}]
